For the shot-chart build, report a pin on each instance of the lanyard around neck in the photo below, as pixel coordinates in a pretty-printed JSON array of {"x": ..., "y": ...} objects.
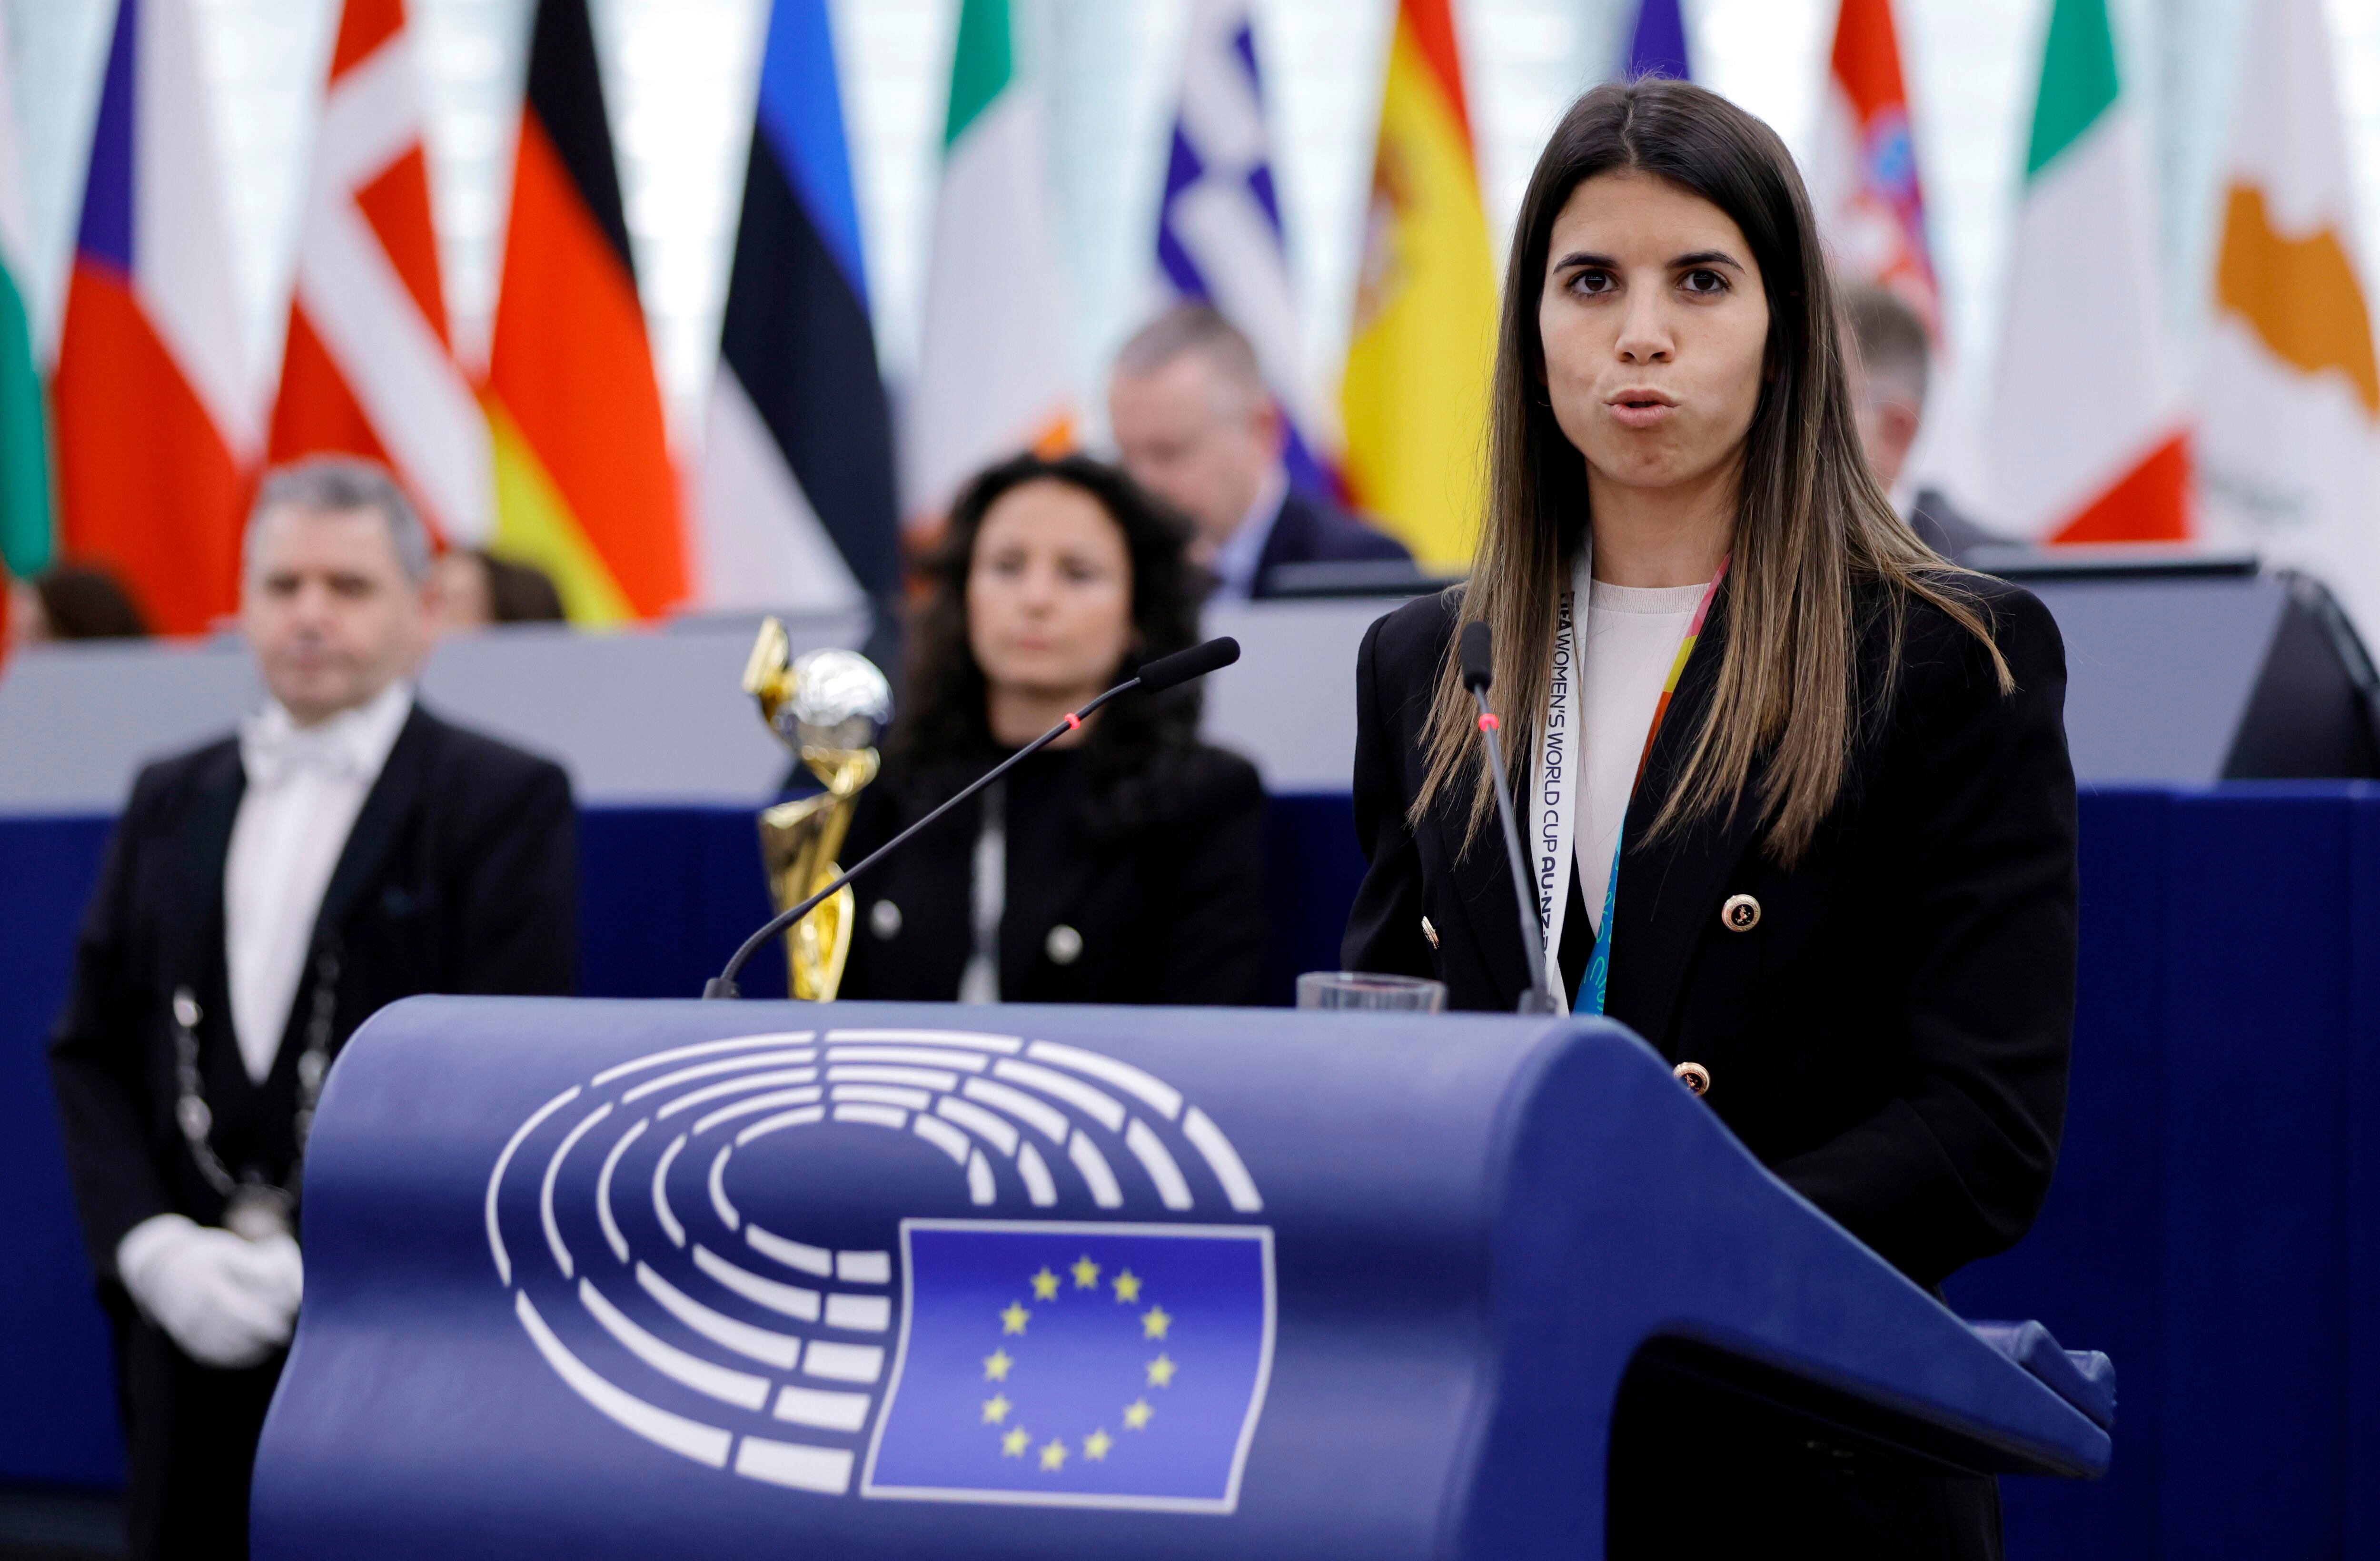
[{"x": 1558, "y": 760}]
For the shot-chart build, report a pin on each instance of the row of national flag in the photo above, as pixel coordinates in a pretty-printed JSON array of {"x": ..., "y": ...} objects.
[{"x": 558, "y": 452}]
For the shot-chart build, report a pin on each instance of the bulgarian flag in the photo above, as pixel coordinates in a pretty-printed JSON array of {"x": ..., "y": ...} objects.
[
  {"x": 2085, "y": 442},
  {"x": 369, "y": 370},
  {"x": 25, "y": 538},
  {"x": 1865, "y": 176},
  {"x": 1416, "y": 393},
  {"x": 585, "y": 488},
  {"x": 995, "y": 358}
]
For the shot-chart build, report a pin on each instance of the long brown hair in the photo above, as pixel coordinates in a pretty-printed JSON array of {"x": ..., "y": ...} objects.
[{"x": 1812, "y": 526}]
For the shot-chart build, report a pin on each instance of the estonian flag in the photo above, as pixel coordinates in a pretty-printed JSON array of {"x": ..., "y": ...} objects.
[{"x": 798, "y": 506}]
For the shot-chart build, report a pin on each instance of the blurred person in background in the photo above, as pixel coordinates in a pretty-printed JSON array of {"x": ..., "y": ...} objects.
[
  {"x": 261, "y": 896},
  {"x": 475, "y": 588},
  {"x": 1889, "y": 373},
  {"x": 1195, "y": 424},
  {"x": 71, "y": 601},
  {"x": 1122, "y": 864}
]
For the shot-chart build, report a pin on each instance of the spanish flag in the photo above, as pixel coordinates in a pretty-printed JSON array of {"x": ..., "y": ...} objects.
[
  {"x": 1416, "y": 393},
  {"x": 584, "y": 485}
]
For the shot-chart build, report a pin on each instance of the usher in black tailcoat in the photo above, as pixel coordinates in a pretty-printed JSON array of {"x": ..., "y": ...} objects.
[
  {"x": 459, "y": 874},
  {"x": 1890, "y": 1039}
]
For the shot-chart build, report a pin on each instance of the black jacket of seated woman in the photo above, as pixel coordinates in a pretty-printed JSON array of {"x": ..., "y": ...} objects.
[
  {"x": 1845, "y": 860},
  {"x": 1123, "y": 865}
]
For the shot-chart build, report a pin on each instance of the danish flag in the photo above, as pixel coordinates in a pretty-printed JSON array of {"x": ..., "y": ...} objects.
[{"x": 371, "y": 369}]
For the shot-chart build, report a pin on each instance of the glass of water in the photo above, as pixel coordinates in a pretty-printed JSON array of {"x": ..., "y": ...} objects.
[{"x": 1363, "y": 990}]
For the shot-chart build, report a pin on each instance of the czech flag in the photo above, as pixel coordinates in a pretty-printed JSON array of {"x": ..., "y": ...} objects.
[
  {"x": 585, "y": 489},
  {"x": 159, "y": 422}
]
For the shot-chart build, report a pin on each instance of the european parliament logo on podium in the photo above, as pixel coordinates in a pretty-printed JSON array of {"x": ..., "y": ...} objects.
[
  {"x": 659, "y": 1228},
  {"x": 1077, "y": 1364}
]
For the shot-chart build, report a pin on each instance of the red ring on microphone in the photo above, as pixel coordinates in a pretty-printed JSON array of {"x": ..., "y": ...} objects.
[
  {"x": 1486, "y": 722},
  {"x": 1074, "y": 721}
]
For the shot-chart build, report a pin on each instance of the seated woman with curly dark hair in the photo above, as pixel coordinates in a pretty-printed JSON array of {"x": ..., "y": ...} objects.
[{"x": 1122, "y": 863}]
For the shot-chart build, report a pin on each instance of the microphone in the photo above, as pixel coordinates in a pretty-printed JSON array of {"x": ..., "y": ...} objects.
[
  {"x": 1475, "y": 657},
  {"x": 1166, "y": 671}
]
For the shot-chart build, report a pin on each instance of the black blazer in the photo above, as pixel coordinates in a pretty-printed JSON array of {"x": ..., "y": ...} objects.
[
  {"x": 1891, "y": 1038},
  {"x": 1306, "y": 530},
  {"x": 1170, "y": 910},
  {"x": 460, "y": 875}
]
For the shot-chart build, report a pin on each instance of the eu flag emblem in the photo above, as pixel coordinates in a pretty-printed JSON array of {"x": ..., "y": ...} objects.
[{"x": 1077, "y": 1364}]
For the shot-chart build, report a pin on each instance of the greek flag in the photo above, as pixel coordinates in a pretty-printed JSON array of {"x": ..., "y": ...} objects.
[
  {"x": 1077, "y": 1364},
  {"x": 1219, "y": 234}
]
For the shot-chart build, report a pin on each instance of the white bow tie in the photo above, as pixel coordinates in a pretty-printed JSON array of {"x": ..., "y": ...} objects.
[{"x": 273, "y": 752}]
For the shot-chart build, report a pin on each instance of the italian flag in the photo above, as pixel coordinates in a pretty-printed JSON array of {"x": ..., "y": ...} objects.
[
  {"x": 25, "y": 533},
  {"x": 995, "y": 357},
  {"x": 2085, "y": 442}
]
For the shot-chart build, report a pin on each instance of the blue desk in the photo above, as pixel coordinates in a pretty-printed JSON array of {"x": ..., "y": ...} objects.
[{"x": 2215, "y": 1226}]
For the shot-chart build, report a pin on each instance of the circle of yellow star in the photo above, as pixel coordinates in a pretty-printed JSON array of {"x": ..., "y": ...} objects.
[
  {"x": 995, "y": 1408},
  {"x": 1045, "y": 1285},
  {"x": 1160, "y": 1371},
  {"x": 1153, "y": 1323},
  {"x": 1128, "y": 1287},
  {"x": 1013, "y": 1321},
  {"x": 996, "y": 1365},
  {"x": 1053, "y": 1454},
  {"x": 1097, "y": 1443},
  {"x": 1087, "y": 1273},
  {"x": 1136, "y": 1415},
  {"x": 1013, "y": 1443}
]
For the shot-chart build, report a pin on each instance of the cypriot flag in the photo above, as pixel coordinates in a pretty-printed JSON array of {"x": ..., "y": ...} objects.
[
  {"x": 995, "y": 359},
  {"x": 2084, "y": 445},
  {"x": 2288, "y": 395}
]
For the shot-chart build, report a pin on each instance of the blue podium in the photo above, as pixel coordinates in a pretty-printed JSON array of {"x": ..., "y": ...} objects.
[{"x": 628, "y": 1278}]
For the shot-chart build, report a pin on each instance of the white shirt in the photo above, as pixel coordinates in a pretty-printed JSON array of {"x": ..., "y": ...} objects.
[
  {"x": 305, "y": 787},
  {"x": 1236, "y": 561},
  {"x": 1632, "y": 634}
]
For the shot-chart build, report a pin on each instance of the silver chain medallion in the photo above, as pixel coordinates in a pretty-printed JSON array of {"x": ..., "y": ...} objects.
[{"x": 253, "y": 1208}]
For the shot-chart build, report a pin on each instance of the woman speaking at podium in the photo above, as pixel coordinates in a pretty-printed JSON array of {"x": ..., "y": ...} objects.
[
  {"x": 1122, "y": 863},
  {"x": 1798, "y": 790}
]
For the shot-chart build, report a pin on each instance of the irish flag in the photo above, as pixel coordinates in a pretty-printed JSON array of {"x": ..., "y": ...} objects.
[
  {"x": 2288, "y": 392},
  {"x": 585, "y": 487},
  {"x": 369, "y": 370},
  {"x": 24, "y": 435},
  {"x": 1416, "y": 393},
  {"x": 995, "y": 359},
  {"x": 159, "y": 419},
  {"x": 2084, "y": 443}
]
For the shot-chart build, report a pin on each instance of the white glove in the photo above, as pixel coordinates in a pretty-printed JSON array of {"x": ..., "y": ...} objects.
[{"x": 226, "y": 1301}]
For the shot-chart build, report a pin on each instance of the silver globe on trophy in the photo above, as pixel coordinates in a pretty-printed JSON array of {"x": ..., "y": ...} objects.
[{"x": 827, "y": 707}]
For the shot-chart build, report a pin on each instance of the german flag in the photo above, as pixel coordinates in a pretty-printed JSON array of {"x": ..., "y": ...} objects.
[{"x": 584, "y": 485}]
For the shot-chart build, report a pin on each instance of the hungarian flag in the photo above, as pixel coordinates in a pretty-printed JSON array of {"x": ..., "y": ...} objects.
[
  {"x": 584, "y": 485},
  {"x": 25, "y": 539},
  {"x": 995, "y": 355},
  {"x": 1864, "y": 174},
  {"x": 369, "y": 370},
  {"x": 1416, "y": 393},
  {"x": 2288, "y": 443},
  {"x": 2085, "y": 442},
  {"x": 159, "y": 422},
  {"x": 798, "y": 507}
]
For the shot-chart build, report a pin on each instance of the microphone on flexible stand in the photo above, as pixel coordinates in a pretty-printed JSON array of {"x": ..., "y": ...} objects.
[
  {"x": 1166, "y": 671},
  {"x": 1479, "y": 665}
]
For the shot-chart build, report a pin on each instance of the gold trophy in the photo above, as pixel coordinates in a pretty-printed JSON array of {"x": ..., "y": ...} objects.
[{"x": 827, "y": 707}]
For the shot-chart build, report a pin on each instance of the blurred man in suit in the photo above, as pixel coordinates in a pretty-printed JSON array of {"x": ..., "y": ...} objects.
[
  {"x": 261, "y": 897},
  {"x": 1888, "y": 377},
  {"x": 1195, "y": 424}
]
